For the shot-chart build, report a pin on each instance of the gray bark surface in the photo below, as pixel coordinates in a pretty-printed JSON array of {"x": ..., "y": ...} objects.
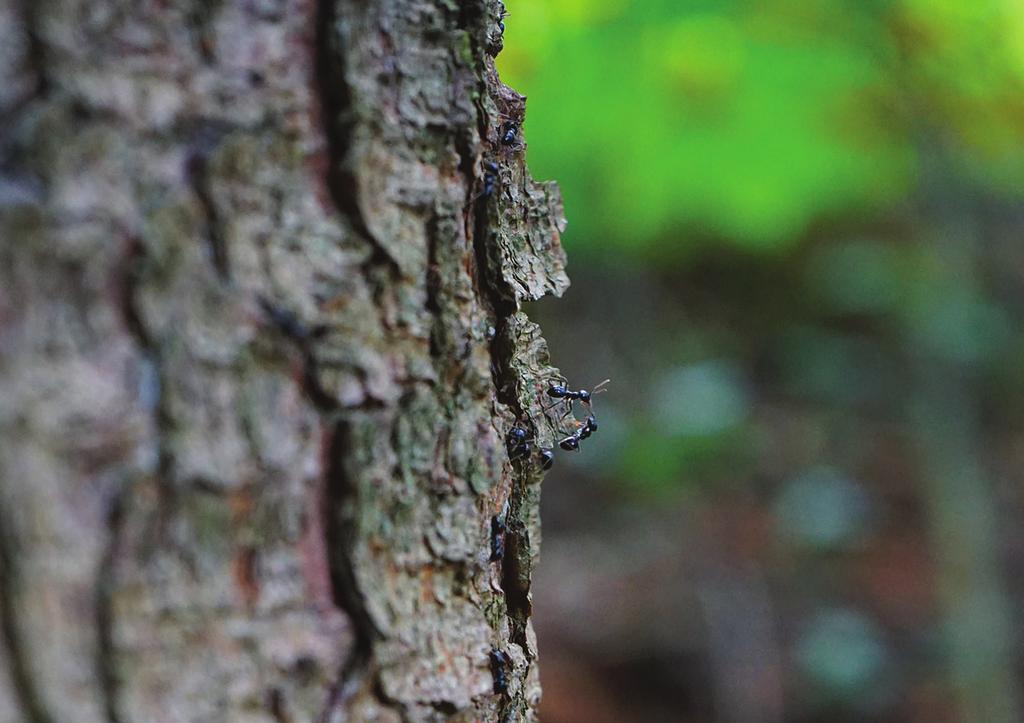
[{"x": 260, "y": 348}]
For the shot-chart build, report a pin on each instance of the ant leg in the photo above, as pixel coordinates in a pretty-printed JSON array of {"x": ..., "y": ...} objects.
[
  {"x": 567, "y": 413},
  {"x": 568, "y": 409}
]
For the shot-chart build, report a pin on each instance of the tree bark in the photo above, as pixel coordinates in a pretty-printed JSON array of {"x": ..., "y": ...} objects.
[{"x": 261, "y": 348}]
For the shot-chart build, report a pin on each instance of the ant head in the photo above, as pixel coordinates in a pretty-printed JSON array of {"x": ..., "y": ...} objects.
[
  {"x": 597, "y": 389},
  {"x": 547, "y": 459}
]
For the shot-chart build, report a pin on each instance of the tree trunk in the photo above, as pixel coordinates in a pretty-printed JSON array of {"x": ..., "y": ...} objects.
[{"x": 261, "y": 351}]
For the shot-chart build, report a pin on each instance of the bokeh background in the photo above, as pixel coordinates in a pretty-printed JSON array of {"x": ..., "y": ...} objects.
[{"x": 795, "y": 239}]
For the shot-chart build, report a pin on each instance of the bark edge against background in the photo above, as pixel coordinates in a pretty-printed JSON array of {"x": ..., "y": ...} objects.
[{"x": 261, "y": 347}]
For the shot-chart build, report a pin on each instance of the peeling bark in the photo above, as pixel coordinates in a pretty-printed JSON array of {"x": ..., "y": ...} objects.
[{"x": 261, "y": 347}]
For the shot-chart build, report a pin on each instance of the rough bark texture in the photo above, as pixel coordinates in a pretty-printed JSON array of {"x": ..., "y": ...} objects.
[{"x": 260, "y": 349}]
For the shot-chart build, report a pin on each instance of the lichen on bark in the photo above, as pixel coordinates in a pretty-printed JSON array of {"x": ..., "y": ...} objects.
[{"x": 261, "y": 346}]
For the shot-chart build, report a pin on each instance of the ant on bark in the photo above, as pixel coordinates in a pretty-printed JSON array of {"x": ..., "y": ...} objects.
[
  {"x": 491, "y": 176},
  {"x": 495, "y": 40},
  {"x": 572, "y": 442},
  {"x": 560, "y": 391},
  {"x": 519, "y": 442},
  {"x": 500, "y": 663}
]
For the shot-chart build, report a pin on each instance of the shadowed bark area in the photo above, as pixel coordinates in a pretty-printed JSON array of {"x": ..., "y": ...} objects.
[{"x": 260, "y": 351}]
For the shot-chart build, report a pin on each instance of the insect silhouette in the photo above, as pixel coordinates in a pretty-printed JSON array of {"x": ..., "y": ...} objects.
[
  {"x": 519, "y": 443},
  {"x": 572, "y": 442},
  {"x": 497, "y": 539},
  {"x": 491, "y": 178},
  {"x": 495, "y": 40},
  {"x": 508, "y": 130},
  {"x": 509, "y": 133},
  {"x": 561, "y": 392},
  {"x": 499, "y": 665}
]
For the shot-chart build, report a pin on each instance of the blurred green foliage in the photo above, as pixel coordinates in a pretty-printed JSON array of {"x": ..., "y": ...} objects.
[
  {"x": 672, "y": 125},
  {"x": 795, "y": 248}
]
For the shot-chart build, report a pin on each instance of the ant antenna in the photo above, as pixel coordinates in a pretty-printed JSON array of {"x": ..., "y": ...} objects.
[{"x": 598, "y": 389}]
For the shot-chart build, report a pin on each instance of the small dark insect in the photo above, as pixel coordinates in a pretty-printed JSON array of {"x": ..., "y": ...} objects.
[
  {"x": 589, "y": 427},
  {"x": 519, "y": 440},
  {"x": 490, "y": 180},
  {"x": 572, "y": 442},
  {"x": 561, "y": 391},
  {"x": 499, "y": 663},
  {"x": 508, "y": 133},
  {"x": 518, "y": 443},
  {"x": 497, "y": 539},
  {"x": 495, "y": 41},
  {"x": 490, "y": 177}
]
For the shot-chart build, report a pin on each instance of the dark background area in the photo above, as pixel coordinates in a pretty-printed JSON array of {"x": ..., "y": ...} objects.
[{"x": 795, "y": 245}]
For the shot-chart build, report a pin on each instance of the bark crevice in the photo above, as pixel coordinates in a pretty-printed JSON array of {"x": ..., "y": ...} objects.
[
  {"x": 154, "y": 382},
  {"x": 339, "y": 121},
  {"x": 29, "y": 697},
  {"x": 106, "y": 668},
  {"x": 340, "y": 533}
]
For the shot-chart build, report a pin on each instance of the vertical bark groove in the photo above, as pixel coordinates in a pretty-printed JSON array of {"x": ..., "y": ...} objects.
[
  {"x": 339, "y": 534},
  {"x": 28, "y": 695},
  {"x": 106, "y": 671}
]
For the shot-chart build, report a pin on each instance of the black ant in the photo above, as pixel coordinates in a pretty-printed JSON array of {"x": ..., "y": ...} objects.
[
  {"x": 501, "y": 18},
  {"x": 491, "y": 174},
  {"x": 561, "y": 391},
  {"x": 518, "y": 442},
  {"x": 497, "y": 539},
  {"x": 509, "y": 130},
  {"x": 572, "y": 442},
  {"x": 499, "y": 663}
]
